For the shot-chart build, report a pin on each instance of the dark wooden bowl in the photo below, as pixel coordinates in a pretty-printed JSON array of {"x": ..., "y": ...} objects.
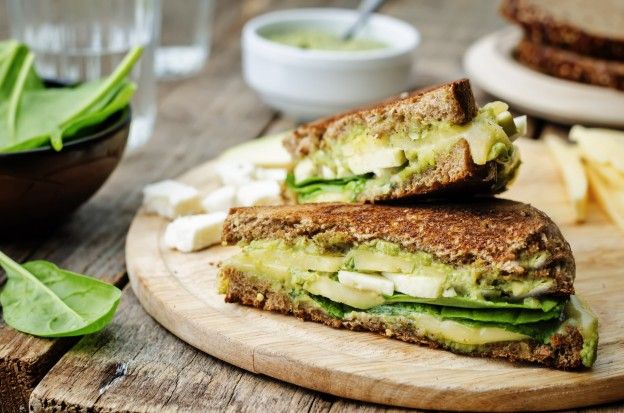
[{"x": 41, "y": 185}]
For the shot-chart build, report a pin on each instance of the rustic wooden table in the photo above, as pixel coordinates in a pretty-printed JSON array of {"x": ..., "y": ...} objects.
[{"x": 134, "y": 364}]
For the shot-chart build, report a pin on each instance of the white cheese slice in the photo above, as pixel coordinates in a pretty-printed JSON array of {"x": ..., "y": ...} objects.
[
  {"x": 259, "y": 193},
  {"x": 234, "y": 173},
  {"x": 171, "y": 199},
  {"x": 363, "y": 281},
  {"x": 378, "y": 159},
  {"x": 462, "y": 333},
  {"x": 375, "y": 261},
  {"x": 195, "y": 232},
  {"x": 423, "y": 286},
  {"x": 220, "y": 199},
  {"x": 270, "y": 174},
  {"x": 341, "y": 293}
]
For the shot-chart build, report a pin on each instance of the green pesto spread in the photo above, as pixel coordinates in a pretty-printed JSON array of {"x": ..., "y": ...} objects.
[
  {"x": 322, "y": 40},
  {"x": 327, "y": 255}
]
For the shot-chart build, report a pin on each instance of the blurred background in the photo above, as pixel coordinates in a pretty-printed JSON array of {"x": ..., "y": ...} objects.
[{"x": 212, "y": 77}]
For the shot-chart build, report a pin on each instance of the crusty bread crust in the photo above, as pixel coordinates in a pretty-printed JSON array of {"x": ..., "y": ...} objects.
[
  {"x": 557, "y": 23},
  {"x": 571, "y": 66},
  {"x": 563, "y": 352},
  {"x": 452, "y": 102},
  {"x": 494, "y": 233},
  {"x": 452, "y": 175}
]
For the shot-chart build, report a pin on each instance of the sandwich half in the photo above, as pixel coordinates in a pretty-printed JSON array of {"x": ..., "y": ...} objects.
[
  {"x": 491, "y": 279},
  {"x": 432, "y": 143}
]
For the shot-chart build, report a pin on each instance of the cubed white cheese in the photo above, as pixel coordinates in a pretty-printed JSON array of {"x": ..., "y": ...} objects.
[
  {"x": 171, "y": 199},
  {"x": 234, "y": 173},
  {"x": 416, "y": 285},
  {"x": 220, "y": 199},
  {"x": 270, "y": 174},
  {"x": 303, "y": 170},
  {"x": 370, "y": 161},
  {"x": 259, "y": 193},
  {"x": 327, "y": 172},
  {"x": 195, "y": 232},
  {"x": 363, "y": 281}
]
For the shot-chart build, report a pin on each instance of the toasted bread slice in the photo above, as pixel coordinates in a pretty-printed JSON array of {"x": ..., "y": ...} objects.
[
  {"x": 562, "y": 350},
  {"x": 498, "y": 235},
  {"x": 452, "y": 102},
  {"x": 594, "y": 28},
  {"x": 571, "y": 66},
  {"x": 431, "y": 143}
]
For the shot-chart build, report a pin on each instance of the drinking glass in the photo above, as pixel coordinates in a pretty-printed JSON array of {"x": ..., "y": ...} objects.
[
  {"x": 185, "y": 37},
  {"x": 79, "y": 40}
]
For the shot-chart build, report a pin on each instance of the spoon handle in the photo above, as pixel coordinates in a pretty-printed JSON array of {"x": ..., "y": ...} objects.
[{"x": 366, "y": 8}]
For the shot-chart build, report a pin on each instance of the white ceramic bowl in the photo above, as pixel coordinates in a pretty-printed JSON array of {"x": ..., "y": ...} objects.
[{"x": 308, "y": 84}]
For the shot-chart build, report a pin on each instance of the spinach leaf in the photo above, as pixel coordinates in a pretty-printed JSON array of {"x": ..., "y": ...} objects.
[
  {"x": 32, "y": 116},
  {"x": 310, "y": 187},
  {"x": 543, "y": 304},
  {"x": 43, "y": 300}
]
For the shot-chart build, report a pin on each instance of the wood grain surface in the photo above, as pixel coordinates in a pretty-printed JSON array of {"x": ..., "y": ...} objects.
[
  {"x": 197, "y": 119},
  {"x": 179, "y": 290}
]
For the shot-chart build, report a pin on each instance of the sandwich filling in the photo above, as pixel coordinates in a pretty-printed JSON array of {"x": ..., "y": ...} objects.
[
  {"x": 462, "y": 306},
  {"x": 364, "y": 161}
]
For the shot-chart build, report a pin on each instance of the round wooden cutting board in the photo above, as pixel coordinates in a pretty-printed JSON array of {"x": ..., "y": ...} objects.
[{"x": 179, "y": 290}]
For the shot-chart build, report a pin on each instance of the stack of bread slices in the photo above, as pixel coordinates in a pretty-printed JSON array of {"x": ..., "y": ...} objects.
[{"x": 578, "y": 40}]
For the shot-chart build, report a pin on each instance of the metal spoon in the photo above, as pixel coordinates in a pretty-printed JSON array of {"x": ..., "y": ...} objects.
[{"x": 366, "y": 8}]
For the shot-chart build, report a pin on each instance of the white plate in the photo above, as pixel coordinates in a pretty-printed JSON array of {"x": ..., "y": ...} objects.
[{"x": 490, "y": 65}]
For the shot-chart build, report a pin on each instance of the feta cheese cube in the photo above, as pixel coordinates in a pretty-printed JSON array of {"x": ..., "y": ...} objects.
[
  {"x": 234, "y": 173},
  {"x": 259, "y": 193},
  {"x": 304, "y": 170},
  {"x": 171, "y": 199},
  {"x": 220, "y": 199},
  {"x": 195, "y": 232}
]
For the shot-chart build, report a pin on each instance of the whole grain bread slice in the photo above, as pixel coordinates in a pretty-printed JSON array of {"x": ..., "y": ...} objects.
[
  {"x": 571, "y": 66},
  {"x": 452, "y": 102},
  {"x": 498, "y": 234},
  {"x": 563, "y": 350},
  {"x": 589, "y": 27}
]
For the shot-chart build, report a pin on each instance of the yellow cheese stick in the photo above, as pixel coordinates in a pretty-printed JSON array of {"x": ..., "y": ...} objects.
[
  {"x": 610, "y": 198},
  {"x": 569, "y": 161},
  {"x": 600, "y": 145},
  {"x": 609, "y": 174}
]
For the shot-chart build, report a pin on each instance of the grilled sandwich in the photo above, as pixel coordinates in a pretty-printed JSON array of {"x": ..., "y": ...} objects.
[
  {"x": 486, "y": 278},
  {"x": 433, "y": 143}
]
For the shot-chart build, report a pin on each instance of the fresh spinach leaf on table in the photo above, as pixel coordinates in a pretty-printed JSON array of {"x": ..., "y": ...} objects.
[
  {"x": 32, "y": 116},
  {"x": 44, "y": 300}
]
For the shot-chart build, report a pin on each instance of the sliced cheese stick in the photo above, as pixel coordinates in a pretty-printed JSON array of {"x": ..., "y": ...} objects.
[
  {"x": 568, "y": 159},
  {"x": 259, "y": 193},
  {"x": 171, "y": 199},
  {"x": 220, "y": 199},
  {"x": 195, "y": 232},
  {"x": 600, "y": 145}
]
